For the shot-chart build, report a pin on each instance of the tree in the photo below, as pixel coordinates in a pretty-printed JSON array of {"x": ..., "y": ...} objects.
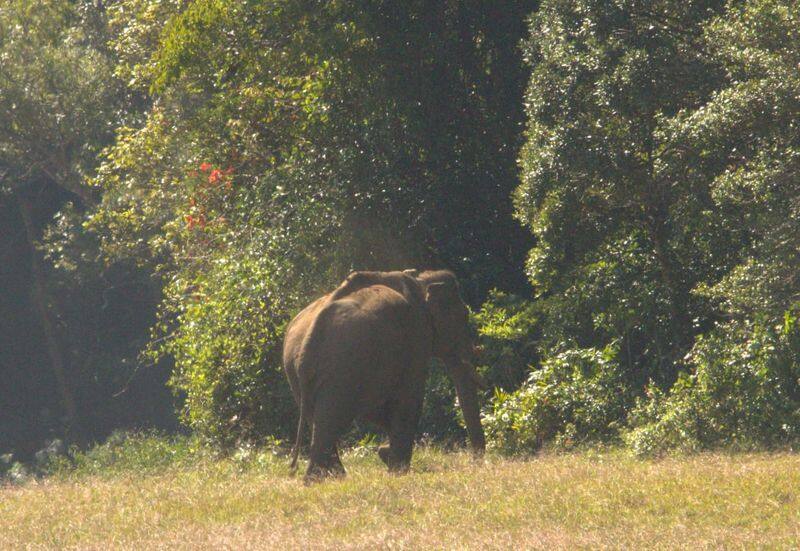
[
  {"x": 53, "y": 96},
  {"x": 622, "y": 235},
  {"x": 663, "y": 193},
  {"x": 744, "y": 142}
]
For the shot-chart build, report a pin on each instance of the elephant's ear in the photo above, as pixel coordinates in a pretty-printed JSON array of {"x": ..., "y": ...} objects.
[
  {"x": 439, "y": 293},
  {"x": 433, "y": 295}
]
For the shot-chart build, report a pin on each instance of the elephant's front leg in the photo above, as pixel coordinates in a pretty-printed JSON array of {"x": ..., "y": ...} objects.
[
  {"x": 382, "y": 417},
  {"x": 385, "y": 418},
  {"x": 401, "y": 446},
  {"x": 383, "y": 453}
]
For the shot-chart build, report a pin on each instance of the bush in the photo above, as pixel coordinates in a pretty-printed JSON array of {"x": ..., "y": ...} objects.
[
  {"x": 226, "y": 344},
  {"x": 153, "y": 452},
  {"x": 136, "y": 452},
  {"x": 578, "y": 396},
  {"x": 744, "y": 393},
  {"x": 508, "y": 329}
]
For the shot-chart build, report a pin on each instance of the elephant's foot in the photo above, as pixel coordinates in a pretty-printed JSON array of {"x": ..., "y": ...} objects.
[
  {"x": 400, "y": 467},
  {"x": 396, "y": 465},
  {"x": 313, "y": 478},
  {"x": 337, "y": 471},
  {"x": 390, "y": 458},
  {"x": 318, "y": 473}
]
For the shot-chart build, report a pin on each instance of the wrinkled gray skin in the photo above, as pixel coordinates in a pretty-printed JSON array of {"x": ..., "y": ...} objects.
[{"x": 363, "y": 351}]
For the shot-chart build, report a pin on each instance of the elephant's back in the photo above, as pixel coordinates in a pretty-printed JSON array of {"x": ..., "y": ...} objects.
[
  {"x": 363, "y": 335},
  {"x": 367, "y": 315}
]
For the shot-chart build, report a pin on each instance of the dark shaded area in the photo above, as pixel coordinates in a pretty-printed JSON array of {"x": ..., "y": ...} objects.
[
  {"x": 101, "y": 324},
  {"x": 451, "y": 79}
]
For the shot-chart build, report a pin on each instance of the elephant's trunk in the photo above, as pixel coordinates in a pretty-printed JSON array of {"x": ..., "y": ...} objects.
[{"x": 467, "y": 391}]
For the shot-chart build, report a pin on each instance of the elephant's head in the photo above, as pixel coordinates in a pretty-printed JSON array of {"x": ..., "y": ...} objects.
[{"x": 453, "y": 344}]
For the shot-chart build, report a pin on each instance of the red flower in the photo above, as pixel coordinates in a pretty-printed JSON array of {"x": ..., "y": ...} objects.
[
  {"x": 192, "y": 221},
  {"x": 215, "y": 176},
  {"x": 205, "y": 167}
]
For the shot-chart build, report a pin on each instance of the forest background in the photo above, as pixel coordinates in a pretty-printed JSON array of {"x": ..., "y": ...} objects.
[{"x": 616, "y": 185}]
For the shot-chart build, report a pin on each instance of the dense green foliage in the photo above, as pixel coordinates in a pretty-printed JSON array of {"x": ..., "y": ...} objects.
[
  {"x": 744, "y": 391},
  {"x": 663, "y": 192},
  {"x": 71, "y": 324},
  {"x": 622, "y": 236},
  {"x": 576, "y": 396},
  {"x": 227, "y": 161}
]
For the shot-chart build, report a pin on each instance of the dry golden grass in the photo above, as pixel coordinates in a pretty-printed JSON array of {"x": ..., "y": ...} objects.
[{"x": 595, "y": 501}]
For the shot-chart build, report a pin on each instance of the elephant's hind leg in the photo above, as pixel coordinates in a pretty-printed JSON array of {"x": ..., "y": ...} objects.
[
  {"x": 397, "y": 455},
  {"x": 331, "y": 420},
  {"x": 383, "y": 453},
  {"x": 336, "y": 468}
]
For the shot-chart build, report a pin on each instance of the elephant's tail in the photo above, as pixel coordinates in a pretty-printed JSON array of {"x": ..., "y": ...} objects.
[{"x": 306, "y": 362}]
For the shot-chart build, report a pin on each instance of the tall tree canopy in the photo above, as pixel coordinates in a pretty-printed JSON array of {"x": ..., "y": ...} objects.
[
  {"x": 71, "y": 326},
  {"x": 624, "y": 233}
]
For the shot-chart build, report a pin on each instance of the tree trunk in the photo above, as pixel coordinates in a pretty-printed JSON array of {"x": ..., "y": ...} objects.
[
  {"x": 40, "y": 302},
  {"x": 656, "y": 201},
  {"x": 678, "y": 296}
]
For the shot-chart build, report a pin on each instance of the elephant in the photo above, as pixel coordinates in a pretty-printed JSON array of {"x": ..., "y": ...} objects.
[{"x": 363, "y": 352}]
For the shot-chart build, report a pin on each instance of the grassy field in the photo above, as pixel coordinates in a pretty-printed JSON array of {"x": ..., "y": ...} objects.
[{"x": 593, "y": 501}]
